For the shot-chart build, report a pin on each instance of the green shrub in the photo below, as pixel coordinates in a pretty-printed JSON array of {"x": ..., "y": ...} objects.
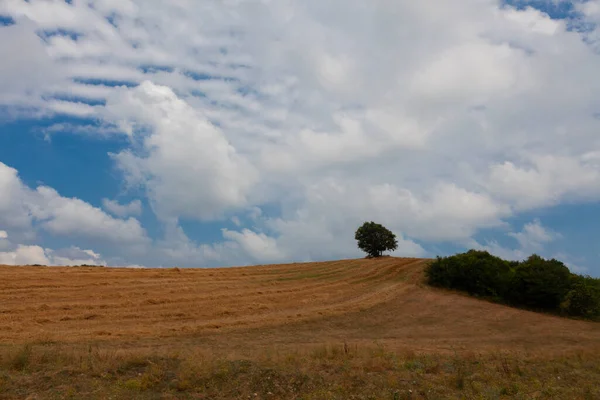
[
  {"x": 476, "y": 272},
  {"x": 583, "y": 298},
  {"x": 538, "y": 283},
  {"x": 535, "y": 283}
]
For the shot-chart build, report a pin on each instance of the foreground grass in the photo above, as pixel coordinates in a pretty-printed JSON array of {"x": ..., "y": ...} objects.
[{"x": 326, "y": 372}]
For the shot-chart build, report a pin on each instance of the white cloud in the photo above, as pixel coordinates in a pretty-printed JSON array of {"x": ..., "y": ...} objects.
[
  {"x": 176, "y": 249},
  {"x": 24, "y": 209},
  {"x": 469, "y": 72},
  {"x": 74, "y": 256},
  {"x": 590, "y": 9},
  {"x": 257, "y": 245},
  {"x": 122, "y": 210},
  {"x": 24, "y": 255},
  {"x": 186, "y": 164},
  {"x": 535, "y": 21},
  {"x": 27, "y": 70},
  {"x": 3, "y": 235},
  {"x": 76, "y": 109},
  {"x": 534, "y": 236},
  {"x": 443, "y": 212},
  {"x": 236, "y": 221},
  {"x": 65, "y": 216},
  {"x": 29, "y": 255},
  {"x": 329, "y": 113},
  {"x": 13, "y": 200},
  {"x": 532, "y": 239},
  {"x": 547, "y": 181}
]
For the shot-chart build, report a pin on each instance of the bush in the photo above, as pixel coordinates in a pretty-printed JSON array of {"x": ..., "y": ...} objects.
[
  {"x": 535, "y": 283},
  {"x": 475, "y": 272},
  {"x": 374, "y": 239},
  {"x": 539, "y": 283},
  {"x": 583, "y": 298}
]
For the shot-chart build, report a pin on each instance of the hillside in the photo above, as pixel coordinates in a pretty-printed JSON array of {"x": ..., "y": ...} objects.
[
  {"x": 356, "y": 301},
  {"x": 350, "y": 329}
]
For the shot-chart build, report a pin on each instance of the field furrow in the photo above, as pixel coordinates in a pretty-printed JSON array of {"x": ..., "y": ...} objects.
[{"x": 362, "y": 300}]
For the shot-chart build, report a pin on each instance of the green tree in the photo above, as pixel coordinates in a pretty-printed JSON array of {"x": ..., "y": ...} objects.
[{"x": 374, "y": 239}]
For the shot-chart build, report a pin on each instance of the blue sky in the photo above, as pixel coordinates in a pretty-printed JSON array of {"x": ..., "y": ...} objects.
[{"x": 260, "y": 132}]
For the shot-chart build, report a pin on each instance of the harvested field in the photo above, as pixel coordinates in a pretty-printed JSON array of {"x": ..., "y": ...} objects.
[
  {"x": 353, "y": 300},
  {"x": 363, "y": 329}
]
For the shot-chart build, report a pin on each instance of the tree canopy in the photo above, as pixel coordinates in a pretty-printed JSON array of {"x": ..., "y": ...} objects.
[{"x": 374, "y": 239}]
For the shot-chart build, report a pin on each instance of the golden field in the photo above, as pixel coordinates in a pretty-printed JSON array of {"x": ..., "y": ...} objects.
[{"x": 343, "y": 329}]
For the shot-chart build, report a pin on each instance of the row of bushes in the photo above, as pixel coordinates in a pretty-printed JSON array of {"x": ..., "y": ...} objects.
[{"x": 536, "y": 283}]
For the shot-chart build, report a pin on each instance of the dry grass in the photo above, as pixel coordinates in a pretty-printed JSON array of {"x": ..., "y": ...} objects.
[
  {"x": 362, "y": 328},
  {"x": 342, "y": 371}
]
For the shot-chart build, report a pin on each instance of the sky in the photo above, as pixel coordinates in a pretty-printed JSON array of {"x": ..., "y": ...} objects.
[{"x": 201, "y": 133}]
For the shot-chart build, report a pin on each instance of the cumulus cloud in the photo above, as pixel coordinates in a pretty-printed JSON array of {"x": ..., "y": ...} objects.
[
  {"x": 186, "y": 164},
  {"x": 323, "y": 221},
  {"x": 13, "y": 195},
  {"x": 69, "y": 216},
  {"x": 24, "y": 255},
  {"x": 533, "y": 238},
  {"x": 547, "y": 180},
  {"x": 24, "y": 210},
  {"x": 74, "y": 256},
  {"x": 122, "y": 210},
  {"x": 320, "y": 116},
  {"x": 27, "y": 71},
  {"x": 31, "y": 254},
  {"x": 590, "y": 8},
  {"x": 257, "y": 245},
  {"x": 176, "y": 248}
]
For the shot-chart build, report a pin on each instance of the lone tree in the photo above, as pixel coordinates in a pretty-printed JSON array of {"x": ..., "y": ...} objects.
[{"x": 374, "y": 239}]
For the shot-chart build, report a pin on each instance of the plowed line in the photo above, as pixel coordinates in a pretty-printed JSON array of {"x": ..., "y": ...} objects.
[{"x": 76, "y": 304}]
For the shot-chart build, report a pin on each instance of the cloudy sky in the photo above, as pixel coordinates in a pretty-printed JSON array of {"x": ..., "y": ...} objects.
[{"x": 235, "y": 132}]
